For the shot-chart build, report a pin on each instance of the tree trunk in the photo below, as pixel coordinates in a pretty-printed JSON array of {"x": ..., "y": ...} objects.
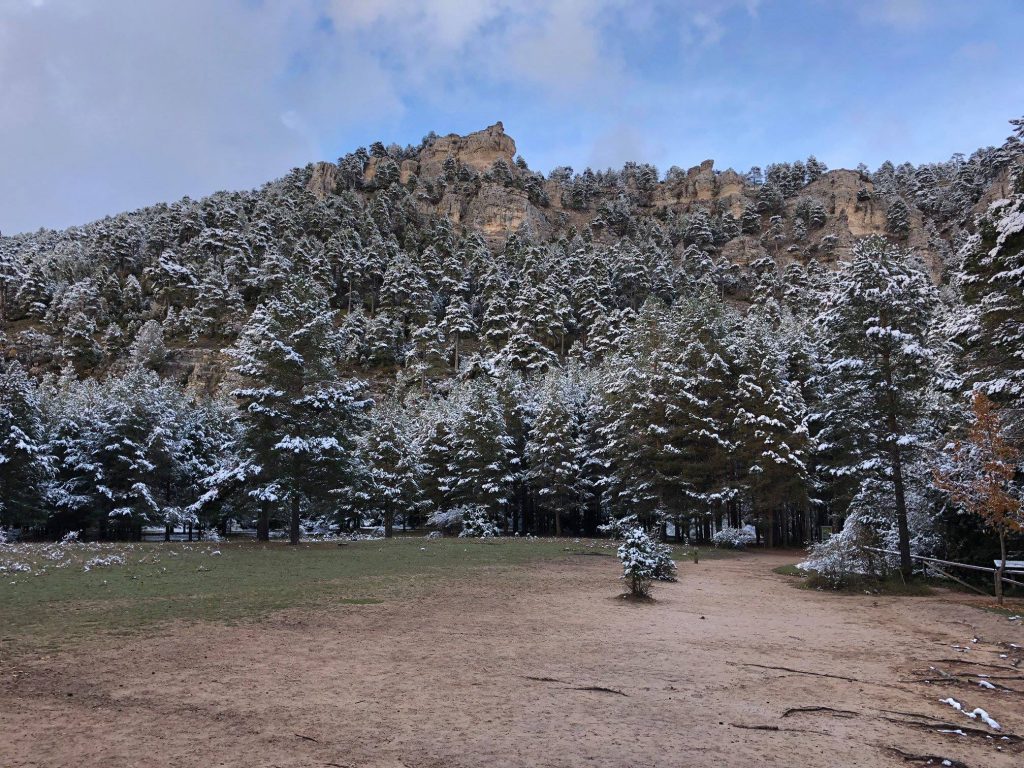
[
  {"x": 293, "y": 533},
  {"x": 906, "y": 564},
  {"x": 263, "y": 523},
  {"x": 558, "y": 523},
  {"x": 1001, "y": 568},
  {"x": 389, "y": 524},
  {"x": 896, "y": 461}
]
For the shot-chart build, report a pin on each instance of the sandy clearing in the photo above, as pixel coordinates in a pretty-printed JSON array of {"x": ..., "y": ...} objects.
[{"x": 445, "y": 680}]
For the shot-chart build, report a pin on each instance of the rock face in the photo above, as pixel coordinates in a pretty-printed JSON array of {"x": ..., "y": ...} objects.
[
  {"x": 323, "y": 180},
  {"x": 478, "y": 150},
  {"x": 499, "y": 204}
]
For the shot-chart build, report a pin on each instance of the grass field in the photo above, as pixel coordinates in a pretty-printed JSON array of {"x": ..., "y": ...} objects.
[{"x": 58, "y": 602}]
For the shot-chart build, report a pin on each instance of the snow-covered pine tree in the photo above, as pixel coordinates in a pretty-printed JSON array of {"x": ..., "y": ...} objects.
[
  {"x": 874, "y": 328},
  {"x": 301, "y": 415},
  {"x": 554, "y": 451},
  {"x": 897, "y": 217},
  {"x": 24, "y": 460},
  {"x": 769, "y": 428},
  {"x": 480, "y": 459},
  {"x": 457, "y": 324},
  {"x": 991, "y": 282},
  {"x": 390, "y": 456}
]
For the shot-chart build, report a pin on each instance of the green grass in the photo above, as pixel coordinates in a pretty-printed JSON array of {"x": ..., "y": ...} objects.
[
  {"x": 169, "y": 582},
  {"x": 859, "y": 585},
  {"x": 789, "y": 570}
]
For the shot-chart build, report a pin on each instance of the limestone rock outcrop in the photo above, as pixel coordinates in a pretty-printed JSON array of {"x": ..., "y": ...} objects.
[
  {"x": 478, "y": 150},
  {"x": 323, "y": 180}
]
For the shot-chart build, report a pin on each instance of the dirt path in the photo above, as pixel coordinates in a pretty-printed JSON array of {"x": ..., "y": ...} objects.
[{"x": 499, "y": 672}]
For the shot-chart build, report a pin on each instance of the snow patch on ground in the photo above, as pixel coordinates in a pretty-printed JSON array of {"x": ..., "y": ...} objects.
[{"x": 975, "y": 714}]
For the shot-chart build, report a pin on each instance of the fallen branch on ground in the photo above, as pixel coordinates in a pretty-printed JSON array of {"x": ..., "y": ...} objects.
[
  {"x": 912, "y": 714},
  {"x": 974, "y": 664},
  {"x": 835, "y": 712},
  {"x": 813, "y": 674},
  {"x": 777, "y": 728},
  {"x": 599, "y": 688},
  {"x": 1011, "y": 738},
  {"x": 927, "y": 759}
]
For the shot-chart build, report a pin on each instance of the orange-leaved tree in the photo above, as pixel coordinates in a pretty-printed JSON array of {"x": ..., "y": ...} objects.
[{"x": 979, "y": 476}]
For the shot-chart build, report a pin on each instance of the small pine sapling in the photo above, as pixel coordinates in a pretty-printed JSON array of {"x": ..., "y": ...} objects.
[{"x": 644, "y": 561}]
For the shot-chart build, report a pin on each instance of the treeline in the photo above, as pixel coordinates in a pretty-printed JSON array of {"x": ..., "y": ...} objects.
[{"x": 385, "y": 366}]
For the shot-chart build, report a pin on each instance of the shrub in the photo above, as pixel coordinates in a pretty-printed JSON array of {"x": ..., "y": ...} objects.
[
  {"x": 476, "y": 524},
  {"x": 470, "y": 520},
  {"x": 644, "y": 561},
  {"x": 842, "y": 560},
  {"x": 735, "y": 538},
  {"x": 447, "y": 520}
]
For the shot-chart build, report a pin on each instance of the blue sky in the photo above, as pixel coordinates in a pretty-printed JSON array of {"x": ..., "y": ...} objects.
[{"x": 109, "y": 105}]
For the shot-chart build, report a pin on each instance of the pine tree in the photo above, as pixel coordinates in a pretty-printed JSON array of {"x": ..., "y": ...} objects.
[
  {"x": 698, "y": 229},
  {"x": 479, "y": 465},
  {"x": 554, "y": 452},
  {"x": 874, "y": 327},
  {"x": 991, "y": 281},
  {"x": 457, "y": 324},
  {"x": 300, "y": 414},
  {"x": 24, "y": 460},
  {"x": 897, "y": 217},
  {"x": 770, "y": 426},
  {"x": 392, "y": 465},
  {"x": 10, "y": 277}
]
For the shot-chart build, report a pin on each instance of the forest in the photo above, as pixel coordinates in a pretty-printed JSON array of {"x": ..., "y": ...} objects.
[{"x": 353, "y": 345}]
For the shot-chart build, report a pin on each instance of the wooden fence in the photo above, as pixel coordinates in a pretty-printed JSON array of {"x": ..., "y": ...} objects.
[{"x": 1013, "y": 567}]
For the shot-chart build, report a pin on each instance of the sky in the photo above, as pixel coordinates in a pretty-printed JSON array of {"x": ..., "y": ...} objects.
[{"x": 111, "y": 105}]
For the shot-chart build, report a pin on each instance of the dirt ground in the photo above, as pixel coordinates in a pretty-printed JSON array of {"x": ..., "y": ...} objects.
[{"x": 540, "y": 667}]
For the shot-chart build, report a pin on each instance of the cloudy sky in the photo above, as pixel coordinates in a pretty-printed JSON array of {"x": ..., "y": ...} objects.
[{"x": 107, "y": 105}]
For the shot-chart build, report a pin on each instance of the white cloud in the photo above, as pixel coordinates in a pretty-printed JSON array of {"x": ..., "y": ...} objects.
[{"x": 111, "y": 104}]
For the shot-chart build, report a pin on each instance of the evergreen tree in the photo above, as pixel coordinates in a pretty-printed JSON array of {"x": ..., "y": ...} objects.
[
  {"x": 991, "y": 281},
  {"x": 301, "y": 415},
  {"x": 458, "y": 324},
  {"x": 390, "y": 457},
  {"x": 24, "y": 461},
  {"x": 479, "y": 468},
  {"x": 770, "y": 427},
  {"x": 554, "y": 451},
  {"x": 874, "y": 328},
  {"x": 897, "y": 217}
]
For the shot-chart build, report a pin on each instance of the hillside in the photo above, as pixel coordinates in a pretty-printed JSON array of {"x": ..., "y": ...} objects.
[
  {"x": 461, "y": 205},
  {"x": 438, "y": 332}
]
